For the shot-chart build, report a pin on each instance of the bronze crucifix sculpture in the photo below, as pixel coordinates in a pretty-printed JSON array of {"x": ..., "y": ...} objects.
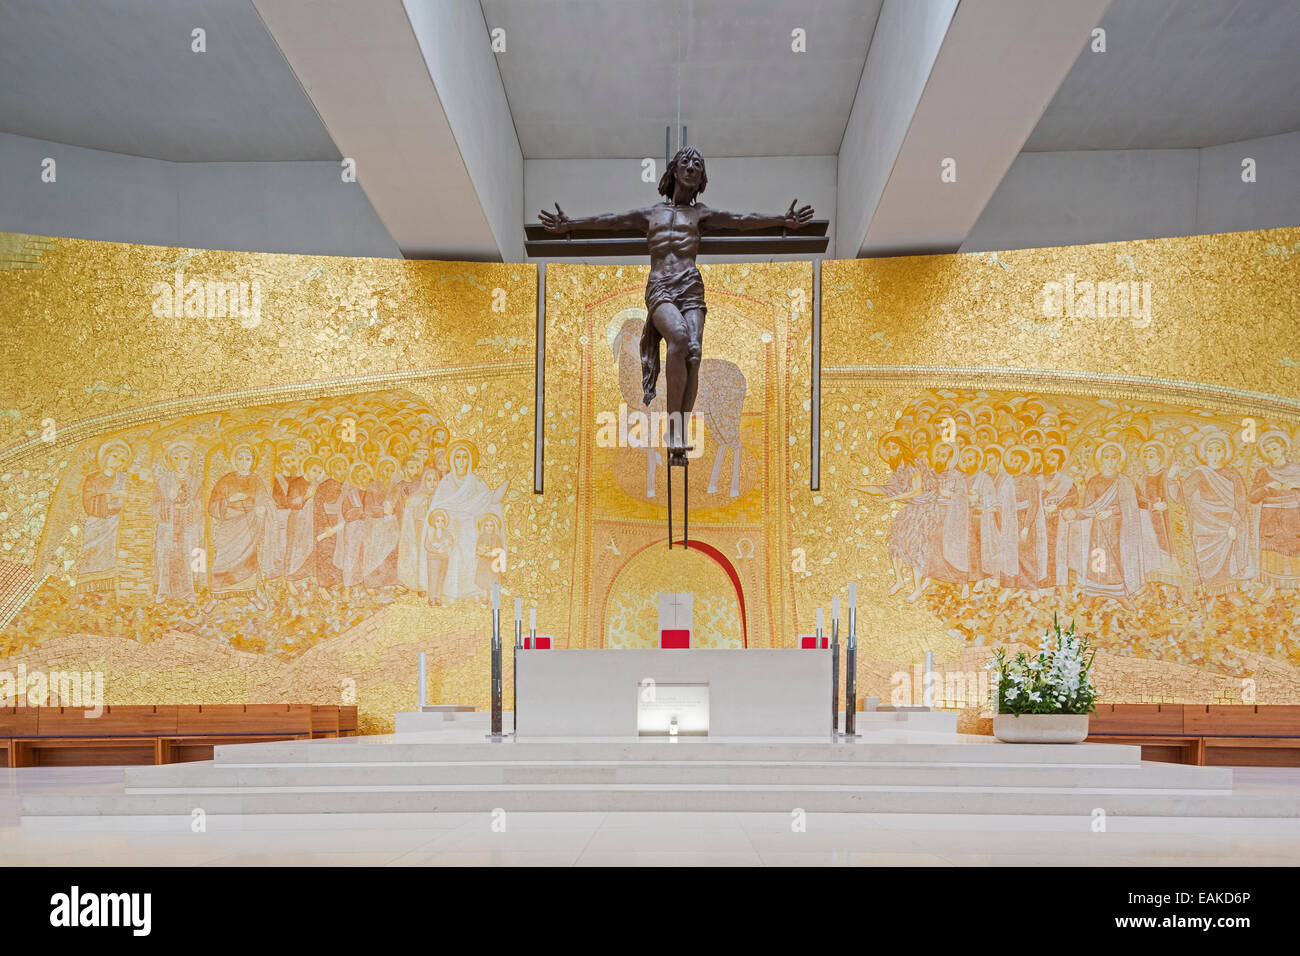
[{"x": 674, "y": 294}]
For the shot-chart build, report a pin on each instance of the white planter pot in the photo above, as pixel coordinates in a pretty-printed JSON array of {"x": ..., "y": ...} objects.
[{"x": 1040, "y": 728}]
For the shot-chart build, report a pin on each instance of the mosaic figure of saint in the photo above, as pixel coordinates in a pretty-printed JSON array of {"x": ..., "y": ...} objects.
[
  {"x": 293, "y": 519},
  {"x": 177, "y": 507},
  {"x": 1031, "y": 524},
  {"x": 905, "y": 541},
  {"x": 982, "y": 531},
  {"x": 101, "y": 499},
  {"x": 949, "y": 548},
  {"x": 466, "y": 498},
  {"x": 438, "y": 544},
  {"x": 1006, "y": 558},
  {"x": 412, "y": 570},
  {"x": 353, "y": 511},
  {"x": 1215, "y": 495},
  {"x": 1275, "y": 491},
  {"x": 1059, "y": 493},
  {"x": 381, "y": 502},
  {"x": 240, "y": 507},
  {"x": 1109, "y": 519},
  {"x": 1156, "y": 493},
  {"x": 488, "y": 550},
  {"x": 329, "y": 523}
]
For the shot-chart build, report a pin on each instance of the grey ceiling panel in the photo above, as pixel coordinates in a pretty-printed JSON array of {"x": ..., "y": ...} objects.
[
  {"x": 601, "y": 78},
  {"x": 1180, "y": 74},
  {"x": 120, "y": 75}
]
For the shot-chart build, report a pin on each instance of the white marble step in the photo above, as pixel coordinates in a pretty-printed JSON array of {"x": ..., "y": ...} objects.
[
  {"x": 434, "y": 721},
  {"x": 909, "y": 748},
  {"x": 437, "y": 718},
  {"x": 666, "y": 797},
  {"x": 938, "y": 721},
  {"x": 442, "y": 773}
]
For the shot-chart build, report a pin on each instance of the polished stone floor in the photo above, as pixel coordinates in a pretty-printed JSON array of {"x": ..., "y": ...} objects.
[{"x": 632, "y": 839}]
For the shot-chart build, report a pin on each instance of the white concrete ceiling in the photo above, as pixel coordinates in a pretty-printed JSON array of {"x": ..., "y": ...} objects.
[
  {"x": 590, "y": 79},
  {"x": 119, "y": 75},
  {"x": 1180, "y": 74}
]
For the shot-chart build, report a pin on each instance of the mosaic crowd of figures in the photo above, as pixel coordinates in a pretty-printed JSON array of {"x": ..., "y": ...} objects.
[
  {"x": 1108, "y": 498},
  {"x": 330, "y": 496}
]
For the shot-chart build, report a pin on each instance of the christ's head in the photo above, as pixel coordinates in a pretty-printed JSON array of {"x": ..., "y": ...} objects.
[{"x": 686, "y": 168}]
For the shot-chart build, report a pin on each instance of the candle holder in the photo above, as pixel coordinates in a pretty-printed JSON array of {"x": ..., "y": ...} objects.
[
  {"x": 851, "y": 668},
  {"x": 514, "y": 667},
  {"x": 835, "y": 667},
  {"x": 496, "y": 736}
]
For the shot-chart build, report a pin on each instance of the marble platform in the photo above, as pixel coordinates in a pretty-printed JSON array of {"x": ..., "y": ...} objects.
[
  {"x": 918, "y": 798},
  {"x": 885, "y": 770}
]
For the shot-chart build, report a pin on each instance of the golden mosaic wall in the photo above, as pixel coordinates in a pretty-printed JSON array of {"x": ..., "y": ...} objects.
[
  {"x": 1183, "y": 568},
  {"x": 753, "y": 404},
  {"x": 206, "y": 460},
  {"x": 121, "y": 360}
]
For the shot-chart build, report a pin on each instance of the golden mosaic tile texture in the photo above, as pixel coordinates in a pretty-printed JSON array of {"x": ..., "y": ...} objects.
[
  {"x": 904, "y": 337},
  {"x": 752, "y": 405},
  {"x": 1222, "y": 310},
  {"x": 112, "y": 342},
  {"x": 359, "y": 364}
]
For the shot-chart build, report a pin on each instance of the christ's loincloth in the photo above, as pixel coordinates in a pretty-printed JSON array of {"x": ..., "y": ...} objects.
[{"x": 685, "y": 290}]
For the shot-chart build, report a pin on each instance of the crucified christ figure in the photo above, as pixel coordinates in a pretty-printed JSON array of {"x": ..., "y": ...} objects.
[{"x": 674, "y": 295}]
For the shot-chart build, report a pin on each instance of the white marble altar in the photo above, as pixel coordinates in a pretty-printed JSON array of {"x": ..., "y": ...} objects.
[{"x": 751, "y": 693}]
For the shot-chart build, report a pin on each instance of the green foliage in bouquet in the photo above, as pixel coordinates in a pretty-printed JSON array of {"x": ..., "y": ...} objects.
[{"x": 1058, "y": 680}]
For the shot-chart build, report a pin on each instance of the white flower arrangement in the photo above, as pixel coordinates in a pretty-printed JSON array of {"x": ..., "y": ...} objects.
[{"x": 1058, "y": 680}]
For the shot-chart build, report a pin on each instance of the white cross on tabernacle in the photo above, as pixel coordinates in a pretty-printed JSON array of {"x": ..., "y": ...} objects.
[{"x": 676, "y": 610}]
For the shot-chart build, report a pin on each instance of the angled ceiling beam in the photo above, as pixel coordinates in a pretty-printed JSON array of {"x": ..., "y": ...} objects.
[
  {"x": 977, "y": 82},
  {"x": 411, "y": 92}
]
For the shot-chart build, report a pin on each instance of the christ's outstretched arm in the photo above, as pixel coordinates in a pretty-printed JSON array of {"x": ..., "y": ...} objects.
[
  {"x": 638, "y": 219},
  {"x": 792, "y": 219}
]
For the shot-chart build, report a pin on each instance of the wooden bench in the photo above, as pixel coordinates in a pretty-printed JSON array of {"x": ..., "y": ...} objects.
[
  {"x": 1248, "y": 735},
  {"x": 157, "y": 734}
]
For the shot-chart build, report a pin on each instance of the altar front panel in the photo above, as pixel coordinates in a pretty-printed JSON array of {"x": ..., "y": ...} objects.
[{"x": 594, "y": 693}]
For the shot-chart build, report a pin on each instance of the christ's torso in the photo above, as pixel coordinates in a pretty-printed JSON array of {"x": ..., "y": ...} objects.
[{"x": 673, "y": 234}]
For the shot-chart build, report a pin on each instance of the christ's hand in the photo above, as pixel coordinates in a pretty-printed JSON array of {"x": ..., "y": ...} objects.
[
  {"x": 555, "y": 221},
  {"x": 794, "y": 218}
]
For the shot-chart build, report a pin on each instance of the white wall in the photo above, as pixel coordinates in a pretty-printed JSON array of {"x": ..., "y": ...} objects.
[
  {"x": 1067, "y": 198},
  {"x": 584, "y": 187},
  {"x": 302, "y": 207}
]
